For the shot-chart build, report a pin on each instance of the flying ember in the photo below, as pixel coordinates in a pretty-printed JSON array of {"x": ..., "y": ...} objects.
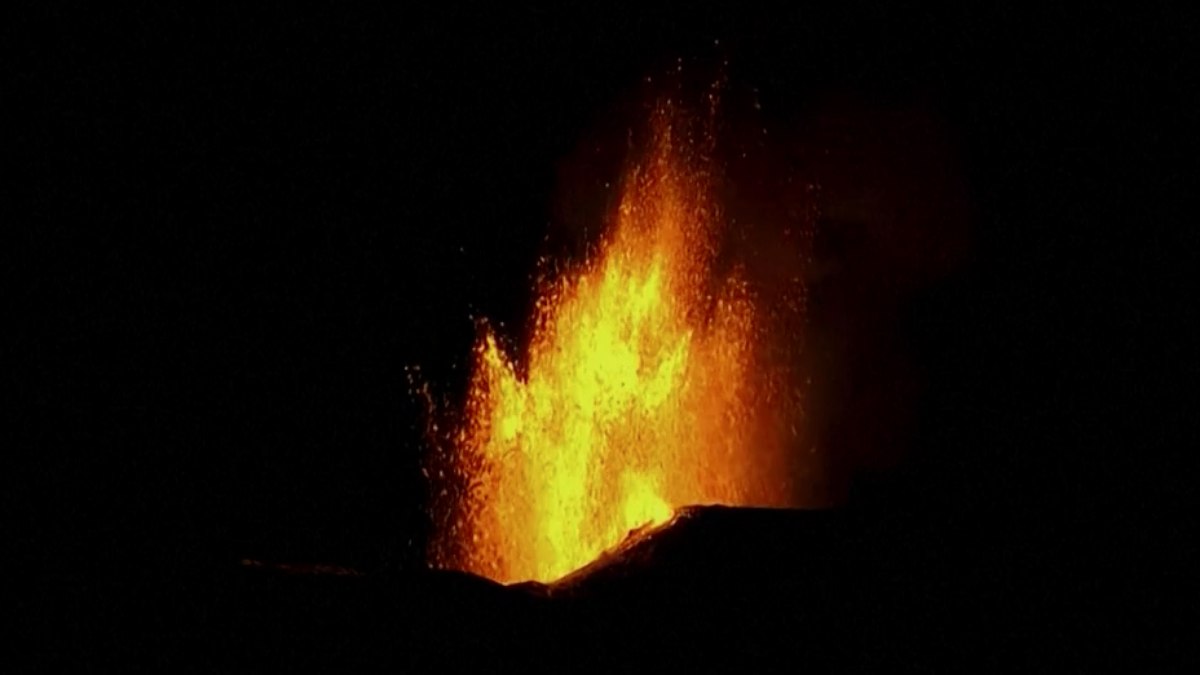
[{"x": 642, "y": 388}]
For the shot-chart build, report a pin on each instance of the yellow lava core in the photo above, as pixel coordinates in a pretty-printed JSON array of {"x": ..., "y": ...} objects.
[{"x": 635, "y": 396}]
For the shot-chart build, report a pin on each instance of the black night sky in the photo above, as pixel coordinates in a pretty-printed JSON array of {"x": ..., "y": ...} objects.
[{"x": 235, "y": 230}]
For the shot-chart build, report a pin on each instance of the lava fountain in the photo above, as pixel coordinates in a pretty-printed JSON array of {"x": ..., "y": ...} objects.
[{"x": 642, "y": 388}]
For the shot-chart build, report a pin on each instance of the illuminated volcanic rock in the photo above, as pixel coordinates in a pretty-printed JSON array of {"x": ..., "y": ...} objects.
[
  {"x": 716, "y": 588},
  {"x": 714, "y": 585},
  {"x": 709, "y": 540}
]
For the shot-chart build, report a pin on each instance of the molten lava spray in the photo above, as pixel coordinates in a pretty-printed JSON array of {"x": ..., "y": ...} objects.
[{"x": 642, "y": 388}]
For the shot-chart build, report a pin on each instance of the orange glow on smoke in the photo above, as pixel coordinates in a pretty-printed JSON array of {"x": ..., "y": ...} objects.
[{"x": 639, "y": 391}]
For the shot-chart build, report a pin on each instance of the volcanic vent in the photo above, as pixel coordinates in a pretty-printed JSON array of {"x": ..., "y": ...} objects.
[{"x": 645, "y": 386}]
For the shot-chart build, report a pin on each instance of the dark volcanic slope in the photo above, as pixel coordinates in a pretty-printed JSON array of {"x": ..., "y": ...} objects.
[{"x": 717, "y": 588}]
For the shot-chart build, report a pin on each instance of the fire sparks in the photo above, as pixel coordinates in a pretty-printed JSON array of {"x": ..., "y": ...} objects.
[{"x": 639, "y": 392}]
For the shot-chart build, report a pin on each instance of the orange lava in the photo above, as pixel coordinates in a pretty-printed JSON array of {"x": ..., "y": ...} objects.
[{"x": 637, "y": 394}]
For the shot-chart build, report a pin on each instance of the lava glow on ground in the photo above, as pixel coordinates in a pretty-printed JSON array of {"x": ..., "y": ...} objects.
[{"x": 642, "y": 388}]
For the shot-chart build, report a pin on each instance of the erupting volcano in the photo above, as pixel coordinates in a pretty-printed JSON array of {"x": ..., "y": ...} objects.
[{"x": 644, "y": 386}]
